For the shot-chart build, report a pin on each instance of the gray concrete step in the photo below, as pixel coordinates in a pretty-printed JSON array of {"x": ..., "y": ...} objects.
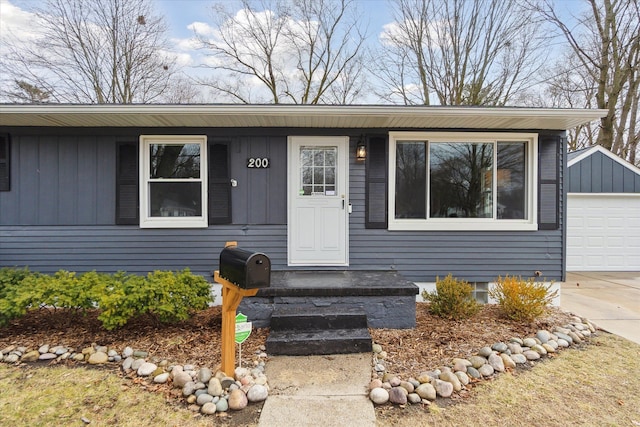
[
  {"x": 292, "y": 317},
  {"x": 303, "y": 331},
  {"x": 316, "y": 341}
]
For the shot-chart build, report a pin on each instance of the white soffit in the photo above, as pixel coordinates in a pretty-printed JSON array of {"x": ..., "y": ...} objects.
[{"x": 295, "y": 116}]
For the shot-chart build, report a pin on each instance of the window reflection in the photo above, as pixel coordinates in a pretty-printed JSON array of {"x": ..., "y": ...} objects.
[
  {"x": 481, "y": 179},
  {"x": 175, "y": 161},
  {"x": 175, "y": 199},
  {"x": 511, "y": 180},
  {"x": 461, "y": 180},
  {"x": 171, "y": 194},
  {"x": 411, "y": 180}
]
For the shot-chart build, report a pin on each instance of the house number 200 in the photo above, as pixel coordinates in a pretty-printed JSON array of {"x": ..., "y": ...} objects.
[{"x": 258, "y": 162}]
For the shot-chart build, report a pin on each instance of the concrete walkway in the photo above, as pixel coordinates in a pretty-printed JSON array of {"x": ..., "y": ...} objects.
[
  {"x": 611, "y": 300},
  {"x": 328, "y": 391}
]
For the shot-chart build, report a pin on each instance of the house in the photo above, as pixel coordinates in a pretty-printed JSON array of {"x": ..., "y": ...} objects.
[
  {"x": 413, "y": 190},
  {"x": 603, "y": 212}
]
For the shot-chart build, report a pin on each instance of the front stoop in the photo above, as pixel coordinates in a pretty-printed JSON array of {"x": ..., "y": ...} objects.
[
  {"x": 323, "y": 330},
  {"x": 387, "y": 298}
]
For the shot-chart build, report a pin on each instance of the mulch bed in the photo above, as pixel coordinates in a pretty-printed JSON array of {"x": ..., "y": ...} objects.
[{"x": 432, "y": 343}]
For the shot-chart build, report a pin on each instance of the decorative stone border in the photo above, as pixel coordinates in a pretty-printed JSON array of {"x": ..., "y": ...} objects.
[
  {"x": 208, "y": 392},
  {"x": 489, "y": 361},
  {"x": 205, "y": 391}
]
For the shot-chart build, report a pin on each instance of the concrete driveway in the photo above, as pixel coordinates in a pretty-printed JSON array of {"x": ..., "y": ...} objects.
[{"x": 611, "y": 300}]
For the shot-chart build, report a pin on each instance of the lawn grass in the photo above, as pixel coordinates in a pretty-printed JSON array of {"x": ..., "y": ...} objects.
[
  {"x": 74, "y": 396},
  {"x": 595, "y": 385}
]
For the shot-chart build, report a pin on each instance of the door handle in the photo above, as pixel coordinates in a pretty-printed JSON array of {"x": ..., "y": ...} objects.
[{"x": 342, "y": 204}]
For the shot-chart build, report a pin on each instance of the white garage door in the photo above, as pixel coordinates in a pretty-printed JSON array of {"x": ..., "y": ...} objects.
[{"x": 603, "y": 232}]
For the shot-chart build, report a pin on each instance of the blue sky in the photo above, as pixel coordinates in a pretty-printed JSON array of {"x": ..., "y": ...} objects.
[
  {"x": 17, "y": 22},
  {"x": 181, "y": 13}
]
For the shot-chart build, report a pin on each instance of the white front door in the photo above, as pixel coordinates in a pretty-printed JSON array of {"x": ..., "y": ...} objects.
[{"x": 318, "y": 200}]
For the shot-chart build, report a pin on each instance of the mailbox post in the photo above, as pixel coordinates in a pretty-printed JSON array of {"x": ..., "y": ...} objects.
[{"x": 241, "y": 274}]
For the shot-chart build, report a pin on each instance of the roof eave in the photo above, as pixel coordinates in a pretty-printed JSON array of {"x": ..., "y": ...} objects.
[{"x": 287, "y": 115}]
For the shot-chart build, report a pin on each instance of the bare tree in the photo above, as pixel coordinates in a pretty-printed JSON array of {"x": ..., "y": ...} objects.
[
  {"x": 99, "y": 51},
  {"x": 605, "y": 45},
  {"x": 23, "y": 92},
  {"x": 183, "y": 90},
  {"x": 295, "y": 51},
  {"x": 568, "y": 85},
  {"x": 453, "y": 52}
]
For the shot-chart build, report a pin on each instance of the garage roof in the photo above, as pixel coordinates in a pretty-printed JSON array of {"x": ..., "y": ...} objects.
[
  {"x": 299, "y": 116},
  {"x": 597, "y": 170}
]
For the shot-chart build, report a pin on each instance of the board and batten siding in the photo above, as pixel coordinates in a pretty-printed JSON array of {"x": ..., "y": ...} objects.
[
  {"x": 60, "y": 214},
  {"x": 598, "y": 173},
  {"x": 60, "y": 180}
]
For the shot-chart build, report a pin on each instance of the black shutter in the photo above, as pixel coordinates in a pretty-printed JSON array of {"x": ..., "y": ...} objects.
[
  {"x": 376, "y": 183},
  {"x": 549, "y": 162},
  {"x": 127, "y": 205},
  {"x": 219, "y": 184},
  {"x": 5, "y": 163}
]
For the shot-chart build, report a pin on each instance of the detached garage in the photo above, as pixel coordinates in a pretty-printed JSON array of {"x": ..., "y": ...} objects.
[{"x": 603, "y": 212}]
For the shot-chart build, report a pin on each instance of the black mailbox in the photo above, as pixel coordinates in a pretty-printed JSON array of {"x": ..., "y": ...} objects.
[{"x": 246, "y": 269}]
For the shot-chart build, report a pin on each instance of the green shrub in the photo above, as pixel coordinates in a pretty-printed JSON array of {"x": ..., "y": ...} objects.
[
  {"x": 173, "y": 296},
  {"x": 10, "y": 278},
  {"x": 165, "y": 295},
  {"x": 11, "y": 293},
  {"x": 65, "y": 289},
  {"x": 453, "y": 299},
  {"x": 522, "y": 300},
  {"x": 121, "y": 298}
]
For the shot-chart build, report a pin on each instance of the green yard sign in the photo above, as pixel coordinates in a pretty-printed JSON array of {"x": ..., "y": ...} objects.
[{"x": 243, "y": 328}]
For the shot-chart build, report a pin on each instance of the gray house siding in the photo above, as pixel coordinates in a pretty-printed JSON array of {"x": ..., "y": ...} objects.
[
  {"x": 60, "y": 214},
  {"x": 475, "y": 256},
  {"x": 129, "y": 248},
  {"x": 598, "y": 173},
  {"x": 261, "y": 196},
  {"x": 60, "y": 180}
]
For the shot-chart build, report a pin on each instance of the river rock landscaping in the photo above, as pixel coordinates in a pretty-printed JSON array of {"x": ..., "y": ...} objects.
[
  {"x": 204, "y": 391},
  {"x": 181, "y": 360},
  {"x": 489, "y": 361}
]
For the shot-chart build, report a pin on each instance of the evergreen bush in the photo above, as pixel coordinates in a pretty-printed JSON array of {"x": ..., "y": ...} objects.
[
  {"x": 165, "y": 295},
  {"x": 452, "y": 299},
  {"x": 10, "y": 293}
]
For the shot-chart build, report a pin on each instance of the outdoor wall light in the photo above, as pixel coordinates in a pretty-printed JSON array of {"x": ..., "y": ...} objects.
[{"x": 361, "y": 149}]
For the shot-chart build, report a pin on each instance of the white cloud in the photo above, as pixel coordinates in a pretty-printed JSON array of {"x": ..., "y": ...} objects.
[
  {"x": 185, "y": 45},
  {"x": 202, "y": 28},
  {"x": 16, "y": 24},
  {"x": 395, "y": 33},
  {"x": 183, "y": 59}
]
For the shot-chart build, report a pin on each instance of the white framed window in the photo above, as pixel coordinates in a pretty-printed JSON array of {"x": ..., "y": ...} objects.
[
  {"x": 173, "y": 181},
  {"x": 462, "y": 181}
]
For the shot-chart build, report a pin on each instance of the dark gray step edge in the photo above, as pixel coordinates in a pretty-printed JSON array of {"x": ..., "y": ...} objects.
[{"x": 280, "y": 321}]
